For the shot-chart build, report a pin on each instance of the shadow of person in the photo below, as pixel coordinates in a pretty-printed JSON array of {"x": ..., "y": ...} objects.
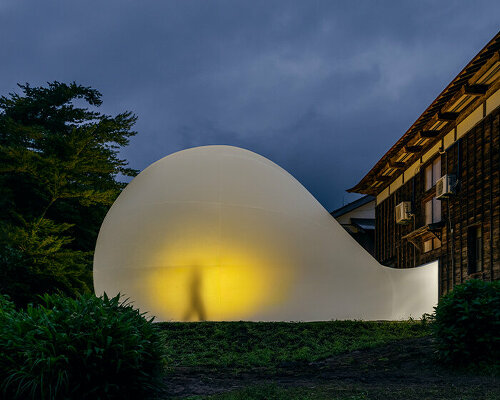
[{"x": 196, "y": 308}]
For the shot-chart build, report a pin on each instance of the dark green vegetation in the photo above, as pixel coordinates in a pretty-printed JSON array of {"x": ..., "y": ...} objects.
[
  {"x": 467, "y": 324},
  {"x": 270, "y": 344},
  {"x": 324, "y": 360},
  {"x": 58, "y": 164},
  {"x": 353, "y": 360},
  {"x": 83, "y": 348},
  {"x": 343, "y": 360}
]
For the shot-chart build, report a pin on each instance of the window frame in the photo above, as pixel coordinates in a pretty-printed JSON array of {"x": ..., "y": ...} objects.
[
  {"x": 432, "y": 171},
  {"x": 431, "y": 167},
  {"x": 475, "y": 249},
  {"x": 433, "y": 205}
]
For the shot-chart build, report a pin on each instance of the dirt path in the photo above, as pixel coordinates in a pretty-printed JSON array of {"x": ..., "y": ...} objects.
[{"x": 402, "y": 364}]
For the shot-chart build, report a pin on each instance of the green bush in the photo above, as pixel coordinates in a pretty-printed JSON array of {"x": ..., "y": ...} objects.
[
  {"x": 467, "y": 324},
  {"x": 7, "y": 311},
  {"x": 83, "y": 348}
]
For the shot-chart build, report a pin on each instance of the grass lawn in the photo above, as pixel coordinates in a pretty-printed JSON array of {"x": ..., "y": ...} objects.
[
  {"x": 272, "y": 344},
  {"x": 339, "y": 360}
]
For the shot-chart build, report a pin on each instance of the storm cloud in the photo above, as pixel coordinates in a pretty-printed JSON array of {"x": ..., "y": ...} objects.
[{"x": 322, "y": 88}]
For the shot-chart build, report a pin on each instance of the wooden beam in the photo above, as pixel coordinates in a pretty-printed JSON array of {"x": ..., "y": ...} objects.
[
  {"x": 413, "y": 149},
  {"x": 465, "y": 94},
  {"x": 475, "y": 90},
  {"x": 494, "y": 58},
  {"x": 384, "y": 178},
  {"x": 447, "y": 116},
  {"x": 431, "y": 122},
  {"x": 426, "y": 134},
  {"x": 396, "y": 164}
]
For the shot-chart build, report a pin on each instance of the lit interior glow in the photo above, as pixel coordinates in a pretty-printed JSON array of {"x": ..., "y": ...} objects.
[
  {"x": 204, "y": 285},
  {"x": 221, "y": 233}
]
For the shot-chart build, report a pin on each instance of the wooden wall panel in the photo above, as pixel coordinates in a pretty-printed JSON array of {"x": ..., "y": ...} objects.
[{"x": 475, "y": 159}]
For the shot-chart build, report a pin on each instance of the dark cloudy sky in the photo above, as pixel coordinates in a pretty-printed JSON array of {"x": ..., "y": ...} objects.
[{"x": 323, "y": 88}]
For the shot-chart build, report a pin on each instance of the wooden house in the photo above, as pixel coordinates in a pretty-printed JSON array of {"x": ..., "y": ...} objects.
[
  {"x": 437, "y": 189},
  {"x": 358, "y": 219}
]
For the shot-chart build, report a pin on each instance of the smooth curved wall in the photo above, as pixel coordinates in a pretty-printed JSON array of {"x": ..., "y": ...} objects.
[{"x": 221, "y": 233}]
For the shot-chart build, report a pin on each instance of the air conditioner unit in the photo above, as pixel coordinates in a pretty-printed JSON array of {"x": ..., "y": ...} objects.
[
  {"x": 403, "y": 213},
  {"x": 444, "y": 186}
]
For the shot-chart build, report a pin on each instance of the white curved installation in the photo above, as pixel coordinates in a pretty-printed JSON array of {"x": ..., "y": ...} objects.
[{"x": 221, "y": 233}]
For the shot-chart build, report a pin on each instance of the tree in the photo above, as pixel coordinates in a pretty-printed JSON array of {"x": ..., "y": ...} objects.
[{"x": 58, "y": 167}]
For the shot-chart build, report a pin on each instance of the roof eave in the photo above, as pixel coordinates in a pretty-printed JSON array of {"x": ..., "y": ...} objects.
[{"x": 365, "y": 185}]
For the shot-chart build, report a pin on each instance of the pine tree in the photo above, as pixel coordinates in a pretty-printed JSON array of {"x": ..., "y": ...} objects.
[{"x": 59, "y": 164}]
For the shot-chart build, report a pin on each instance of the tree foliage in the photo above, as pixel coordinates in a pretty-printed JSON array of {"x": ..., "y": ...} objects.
[{"x": 58, "y": 166}]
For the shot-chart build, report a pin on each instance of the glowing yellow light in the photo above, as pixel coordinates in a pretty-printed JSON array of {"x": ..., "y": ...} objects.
[
  {"x": 215, "y": 286},
  {"x": 221, "y": 233}
]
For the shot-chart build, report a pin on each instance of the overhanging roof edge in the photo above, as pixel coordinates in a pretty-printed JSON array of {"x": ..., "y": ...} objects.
[{"x": 488, "y": 51}]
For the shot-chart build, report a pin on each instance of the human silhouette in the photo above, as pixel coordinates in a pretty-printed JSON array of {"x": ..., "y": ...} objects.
[{"x": 196, "y": 306}]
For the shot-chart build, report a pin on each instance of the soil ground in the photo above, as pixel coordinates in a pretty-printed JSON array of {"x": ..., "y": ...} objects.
[{"x": 404, "y": 369}]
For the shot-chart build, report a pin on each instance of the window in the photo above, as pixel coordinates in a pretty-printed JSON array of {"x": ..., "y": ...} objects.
[
  {"x": 474, "y": 249},
  {"x": 432, "y": 244},
  {"x": 432, "y": 173},
  {"x": 432, "y": 215},
  {"x": 432, "y": 211}
]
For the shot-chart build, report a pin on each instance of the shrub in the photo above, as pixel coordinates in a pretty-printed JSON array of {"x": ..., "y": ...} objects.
[
  {"x": 6, "y": 307},
  {"x": 83, "y": 348},
  {"x": 7, "y": 311},
  {"x": 467, "y": 324}
]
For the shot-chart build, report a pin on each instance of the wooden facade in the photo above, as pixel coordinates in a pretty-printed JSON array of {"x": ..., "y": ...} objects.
[
  {"x": 475, "y": 160},
  {"x": 457, "y": 135}
]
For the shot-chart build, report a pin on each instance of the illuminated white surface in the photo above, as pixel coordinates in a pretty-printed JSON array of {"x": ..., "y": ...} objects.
[{"x": 222, "y": 233}]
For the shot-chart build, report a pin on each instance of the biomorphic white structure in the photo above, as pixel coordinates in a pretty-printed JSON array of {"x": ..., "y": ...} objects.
[{"x": 221, "y": 233}]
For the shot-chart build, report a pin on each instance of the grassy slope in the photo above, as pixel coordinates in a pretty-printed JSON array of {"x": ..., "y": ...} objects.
[
  {"x": 268, "y": 345},
  {"x": 360, "y": 361}
]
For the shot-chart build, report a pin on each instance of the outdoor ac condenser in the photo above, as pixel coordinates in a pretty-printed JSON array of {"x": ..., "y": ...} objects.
[
  {"x": 444, "y": 186},
  {"x": 403, "y": 212}
]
